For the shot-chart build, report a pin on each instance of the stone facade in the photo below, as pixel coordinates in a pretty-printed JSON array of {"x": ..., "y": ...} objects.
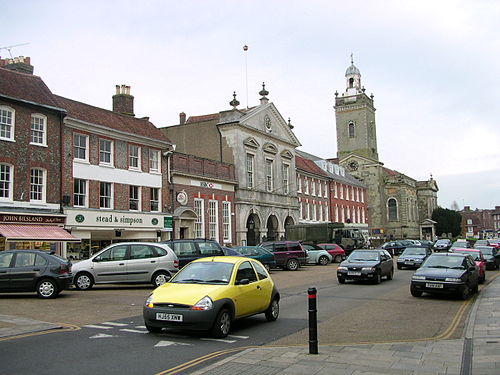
[
  {"x": 399, "y": 206},
  {"x": 262, "y": 147}
]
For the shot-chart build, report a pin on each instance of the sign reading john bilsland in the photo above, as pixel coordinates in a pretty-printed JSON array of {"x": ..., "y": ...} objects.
[{"x": 31, "y": 219}]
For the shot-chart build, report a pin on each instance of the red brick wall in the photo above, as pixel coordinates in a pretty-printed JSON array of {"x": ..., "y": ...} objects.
[{"x": 24, "y": 156}]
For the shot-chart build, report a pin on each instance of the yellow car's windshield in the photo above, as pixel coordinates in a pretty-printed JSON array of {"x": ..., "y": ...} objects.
[{"x": 204, "y": 273}]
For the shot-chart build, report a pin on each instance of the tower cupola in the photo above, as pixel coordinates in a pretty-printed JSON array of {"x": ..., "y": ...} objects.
[{"x": 353, "y": 79}]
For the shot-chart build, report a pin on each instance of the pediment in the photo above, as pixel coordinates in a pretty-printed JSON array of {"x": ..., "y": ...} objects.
[
  {"x": 267, "y": 120},
  {"x": 286, "y": 154},
  {"x": 270, "y": 148},
  {"x": 251, "y": 142}
]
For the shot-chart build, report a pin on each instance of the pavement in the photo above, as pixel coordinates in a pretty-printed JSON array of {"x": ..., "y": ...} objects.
[{"x": 476, "y": 353}]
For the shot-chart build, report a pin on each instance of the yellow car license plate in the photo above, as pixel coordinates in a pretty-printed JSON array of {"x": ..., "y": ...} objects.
[{"x": 169, "y": 317}]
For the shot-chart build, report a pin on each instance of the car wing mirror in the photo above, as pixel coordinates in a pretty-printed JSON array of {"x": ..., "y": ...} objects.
[
  {"x": 243, "y": 282},
  {"x": 97, "y": 259}
]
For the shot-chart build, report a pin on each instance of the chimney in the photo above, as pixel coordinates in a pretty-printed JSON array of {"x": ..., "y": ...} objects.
[
  {"x": 182, "y": 118},
  {"x": 18, "y": 64},
  {"x": 123, "y": 102}
]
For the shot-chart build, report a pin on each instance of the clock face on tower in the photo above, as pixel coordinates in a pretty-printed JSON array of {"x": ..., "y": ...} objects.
[{"x": 353, "y": 165}]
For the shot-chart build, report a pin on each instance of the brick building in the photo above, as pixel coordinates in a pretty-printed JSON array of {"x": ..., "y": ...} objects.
[
  {"x": 480, "y": 223},
  {"x": 345, "y": 195},
  {"x": 31, "y": 128},
  {"x": 203, "y": 196},
  {"x": 115, "y": 181}
]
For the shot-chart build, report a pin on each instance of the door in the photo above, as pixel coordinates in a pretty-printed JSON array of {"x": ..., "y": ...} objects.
[
  {"x": 110, "y": 265},
  {"x": 27, "y": 268},
  {"x": 142, "y": 263},
  {"x": 5, "y": 262},
  {"x": 250, "y": 296}
]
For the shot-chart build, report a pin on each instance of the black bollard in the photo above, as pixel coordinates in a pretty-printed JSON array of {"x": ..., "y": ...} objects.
[{"x": 313, "y": 321}]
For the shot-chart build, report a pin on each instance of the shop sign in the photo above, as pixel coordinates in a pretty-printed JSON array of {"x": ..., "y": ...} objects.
[
  {"x": 204, "y": 184},
  {"x": 168, "y": 223},
  {"x": 376, "y": 231},
  {"x": 31, "y": 219},
  {"x": 122, "y": 220}
]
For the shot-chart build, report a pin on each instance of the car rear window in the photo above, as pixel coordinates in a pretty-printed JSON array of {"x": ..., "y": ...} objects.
[
  {"x": 184, "y": 248},
  {"x": 209, "y": 248}
]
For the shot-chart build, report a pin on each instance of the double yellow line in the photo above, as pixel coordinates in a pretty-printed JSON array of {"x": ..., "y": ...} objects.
[{"x": 199, "y": 360}]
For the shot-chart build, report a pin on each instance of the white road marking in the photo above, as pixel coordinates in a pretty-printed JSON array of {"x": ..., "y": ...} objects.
[
  {"x": 238, "y": 337},
  {"x": 169, "y": 343},
  {"x": 143, "y": 327},
  {"x": 133, "y": 330},
  {"x": 98, "y": 327},
  {"x": 101, "y": 336},
  {"x": 219, "y": 340},
  {"x": 116, "y": 324}
]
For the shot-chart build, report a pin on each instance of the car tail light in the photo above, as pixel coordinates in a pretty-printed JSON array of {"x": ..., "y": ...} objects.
[
  {"x": 64, "y": 269},
  {"x": 176, "y": 264}
]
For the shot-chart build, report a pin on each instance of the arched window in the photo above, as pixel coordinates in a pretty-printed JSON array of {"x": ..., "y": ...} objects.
[
  {"x": 392, "y": 209},
  {"x": 351, "y": 130},
  {"x": 351, "y": 82}
]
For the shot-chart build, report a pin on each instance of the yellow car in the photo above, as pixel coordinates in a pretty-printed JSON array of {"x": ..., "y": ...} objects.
[{"x": 209, "y": 293}]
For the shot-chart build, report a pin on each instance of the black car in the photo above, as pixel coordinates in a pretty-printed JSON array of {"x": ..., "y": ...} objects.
[
  {"x": 366, "y": 265},
  {"x": 491, "y": 256},
  {"x": 413, "y": 257},
  {"x": 34, "y": 270},
  {"x": 442, "y": 245},
  {"x": 394, "y": 247},
  {"x": 188, "y": 250},
  {"x": 446, "y": 273}
]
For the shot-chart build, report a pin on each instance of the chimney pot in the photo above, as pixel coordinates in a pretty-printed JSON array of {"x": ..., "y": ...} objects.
[
  {"x": 182, "y": 118},
  {"x": 123, "y": 102}
]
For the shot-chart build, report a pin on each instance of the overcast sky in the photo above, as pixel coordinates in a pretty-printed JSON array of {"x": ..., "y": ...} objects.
[{"x": 433, "y": 67}]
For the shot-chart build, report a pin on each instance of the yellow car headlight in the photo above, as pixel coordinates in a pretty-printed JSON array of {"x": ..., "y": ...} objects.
[
  {"x": 149, "y": 302},
  {"x": 205, "y": 303}
]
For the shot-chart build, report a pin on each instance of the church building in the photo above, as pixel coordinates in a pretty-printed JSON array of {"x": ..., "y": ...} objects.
[{"x": 398, "y": 206}]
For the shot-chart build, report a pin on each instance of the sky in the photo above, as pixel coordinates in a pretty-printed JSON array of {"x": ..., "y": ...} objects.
[{"x": 432, "y": 66}]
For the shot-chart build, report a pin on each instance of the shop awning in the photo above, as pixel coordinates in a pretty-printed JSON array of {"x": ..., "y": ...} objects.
[{"x": 49, "y": 233}]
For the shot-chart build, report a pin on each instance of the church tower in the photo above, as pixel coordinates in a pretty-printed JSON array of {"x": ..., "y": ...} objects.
[{"x": 355, "y": 119}]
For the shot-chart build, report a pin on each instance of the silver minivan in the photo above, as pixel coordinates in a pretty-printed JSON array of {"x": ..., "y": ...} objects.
[{"x": 127, "y": 262}]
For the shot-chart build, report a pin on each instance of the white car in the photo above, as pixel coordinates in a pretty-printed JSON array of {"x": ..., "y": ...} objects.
[
  {"x": 317, "y": 255},
  {"x": 127, "y": 262}
]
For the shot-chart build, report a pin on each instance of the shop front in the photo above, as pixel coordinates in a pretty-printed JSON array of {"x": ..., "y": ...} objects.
[
  {"x": 98, "y": 228},
  {"x": 34, "y": 231}
]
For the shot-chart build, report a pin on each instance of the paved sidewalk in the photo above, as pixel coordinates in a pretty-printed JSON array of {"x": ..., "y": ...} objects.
[
  {"x": 477, "y": 353},
  {"x": 14, "y": 326}
]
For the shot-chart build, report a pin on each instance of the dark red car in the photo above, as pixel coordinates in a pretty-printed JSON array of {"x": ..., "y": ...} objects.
[{"x": 337, "y": 253}]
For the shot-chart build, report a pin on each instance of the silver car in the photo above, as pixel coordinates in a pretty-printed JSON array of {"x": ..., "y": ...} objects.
[{"x": 127, "y": 262}]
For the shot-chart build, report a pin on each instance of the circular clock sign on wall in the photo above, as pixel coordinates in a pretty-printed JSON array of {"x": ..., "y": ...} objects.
[
  {"x": 353, "y": 165},
  {"x": 182, "y": 197}
]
